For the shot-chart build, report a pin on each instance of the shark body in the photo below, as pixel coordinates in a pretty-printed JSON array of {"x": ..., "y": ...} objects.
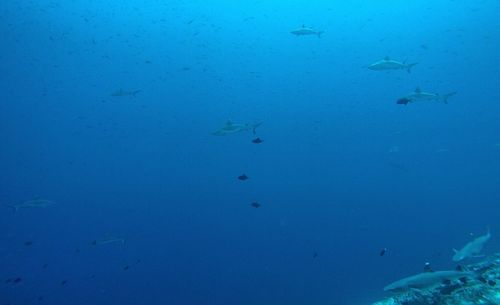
[
  {"x": 33, "y": 203},
  {"x": 472, "y": 248},
  {"x": 305, "y": 31},
  {"x": 389, "y": 64},
  {"x": 232, "y": 128},
  {"x": 122, "y": 93},
  {"x": 108, "y": 240},
  {"x": 425, "y": 280},
  {"x": 421, "y": 96}
]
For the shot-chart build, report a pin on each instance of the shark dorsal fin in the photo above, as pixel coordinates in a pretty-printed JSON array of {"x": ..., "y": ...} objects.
[
  {"x": 229, "y": 122},
  {"x": 387, "y": 58},
  {"x": 303, "y": 25},
  {"x": 417, "y": 90}
]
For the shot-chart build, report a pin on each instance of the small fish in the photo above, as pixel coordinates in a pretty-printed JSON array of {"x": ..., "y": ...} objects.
[
  {"x": 63, "y": 282},
  {"x": 492, "y": 283},
  {"x": 255, "y": 204},
  {"x": 427, "y": 267},
  {"x": 243, "y": 177},
  {"x": 126, "y": 267},
  {"x": 403, "y": 101},
  {"x": 315, "y": 254},
  {"x": 382, "y": 252},
  {"x": 28, "y": 243},
  {"x": 257, "y": 141}
]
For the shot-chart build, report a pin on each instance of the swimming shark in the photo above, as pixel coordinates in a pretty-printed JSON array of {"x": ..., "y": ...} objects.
[
  {"x": 121, "y": 93},
  {"x": 108, "y": 240},
  {"x": 472, "y": 248},
  {"x": 303, "y": 31},
  {"x": 418, "y": 95},
  {"x": 33, "y": 203},
  {"x": 425, "y": 280},
  {"x": 389, "y": 64},
  {"x": 231, "y": 128}
]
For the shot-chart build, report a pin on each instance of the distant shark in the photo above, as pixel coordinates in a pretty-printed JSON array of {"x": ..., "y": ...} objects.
[
  {"x": 304, "y": 31},
  {"x": 108, "y": 240},
  {"x": 389, "y": 64},
  {"x": 121, "y": 93},
  {"x": 231, "y": 128},
  {"x": 472, "y": 249},
  {"x": 425, "y": 280},
  {"x": 419, "y": 96},
  {"x": 33, "y": 203}
]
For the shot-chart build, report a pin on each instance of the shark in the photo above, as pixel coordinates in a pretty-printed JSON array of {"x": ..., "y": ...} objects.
[
  {"x": 122, "y": 93},
  {"x": 418, "y": 96},
  {"x": 472, "y": 248},
  {"x": 33, "y": 203},
  {"x": 426, "y": 280},
  {"x": 108, "y": 240},
  {"x": 389, "y": 64},
  {"x": 304, "y": 31},
  {"x": 231, "y": 128}
]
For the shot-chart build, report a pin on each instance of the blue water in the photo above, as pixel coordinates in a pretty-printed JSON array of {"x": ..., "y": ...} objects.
[{"x": 343, "y": 171}]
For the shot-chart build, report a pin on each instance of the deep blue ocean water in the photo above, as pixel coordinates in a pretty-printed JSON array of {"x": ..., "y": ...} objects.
[{"x": 343, "y": 171}]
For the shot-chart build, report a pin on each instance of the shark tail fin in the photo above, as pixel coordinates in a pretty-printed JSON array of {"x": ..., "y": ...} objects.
[
  {"x": 319, "y": 33},
  {"x": 254, "y": 127},
  {"x": 447, "y": 96},
  {"x": 409, "y": 66},
  {"x": 134, "y": 93}
]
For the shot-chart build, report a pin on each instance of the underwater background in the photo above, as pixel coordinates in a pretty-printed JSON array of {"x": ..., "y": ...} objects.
[{"x": 107, "y": 110}]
